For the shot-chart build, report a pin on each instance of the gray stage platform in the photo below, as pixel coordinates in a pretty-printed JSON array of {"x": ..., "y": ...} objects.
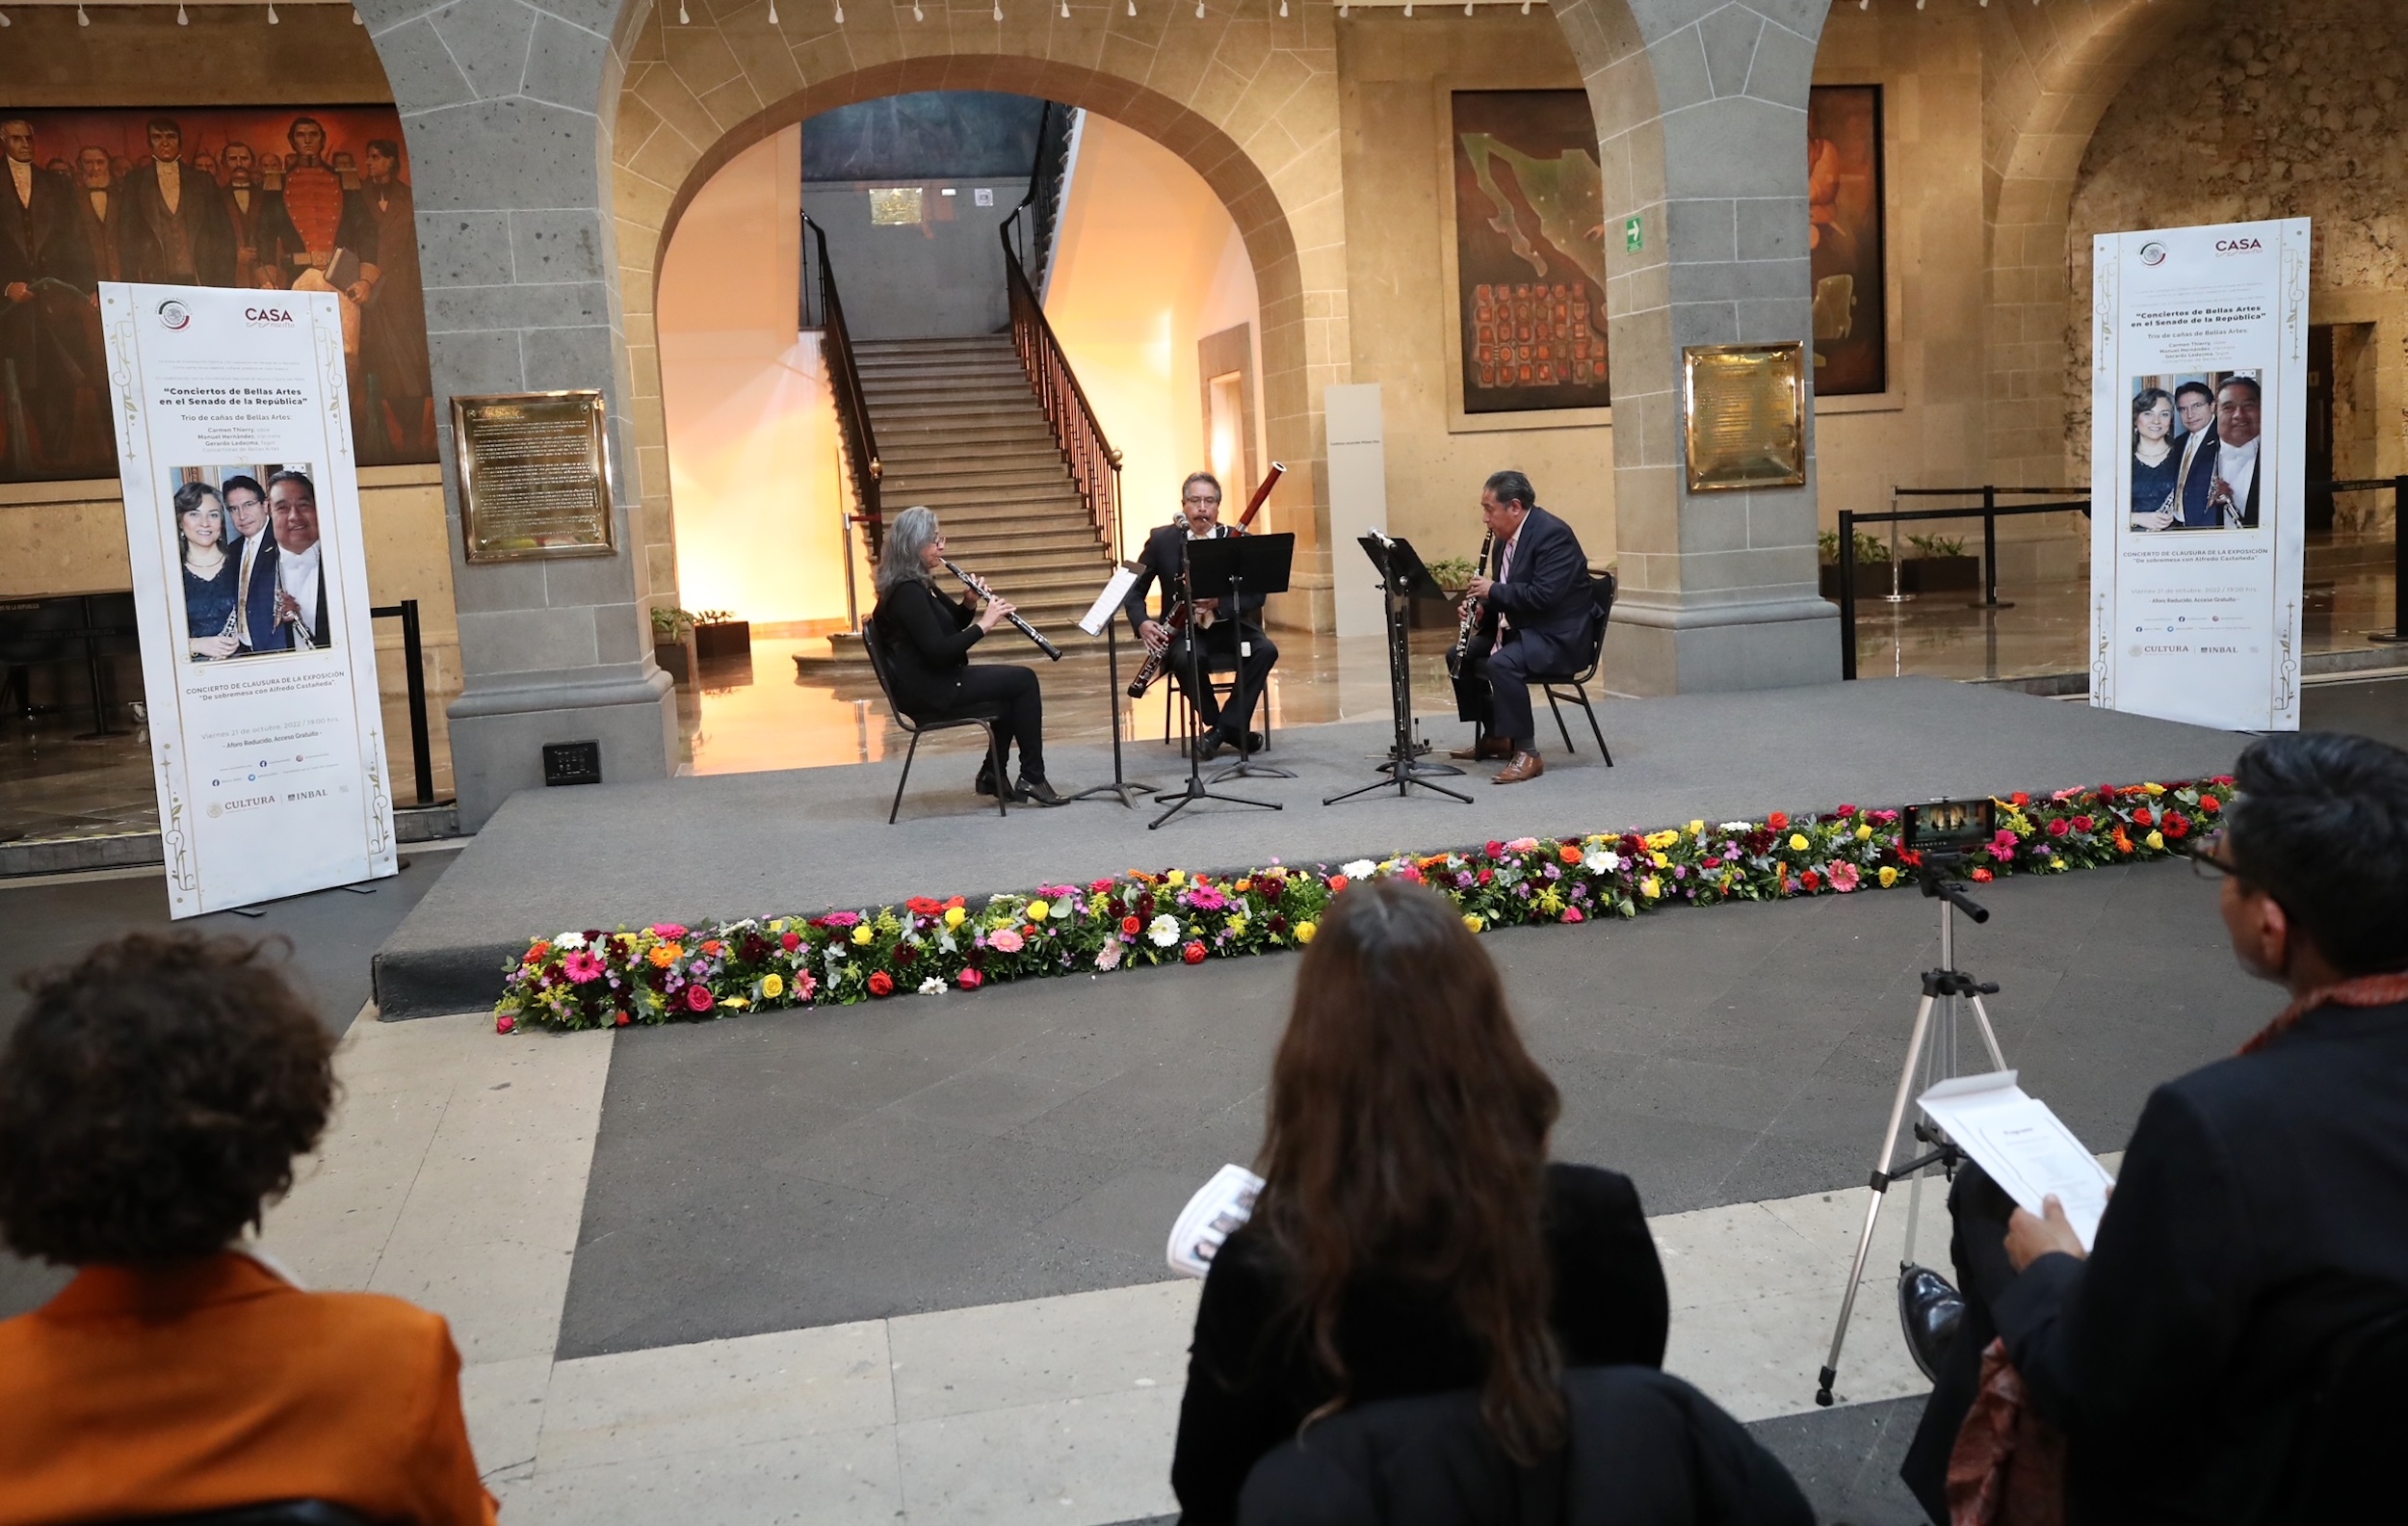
[{"x": 808, "y": 841}]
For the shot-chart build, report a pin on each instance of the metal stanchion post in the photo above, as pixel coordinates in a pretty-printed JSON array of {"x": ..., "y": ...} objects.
[
  {"x": 1847, "y": 593},
  {"x": 2398, "y": 633}
]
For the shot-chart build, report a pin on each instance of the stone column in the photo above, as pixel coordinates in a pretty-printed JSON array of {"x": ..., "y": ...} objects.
[
  {"x": 498, "y": 102},
  {"x": 1701, "y": 112}
]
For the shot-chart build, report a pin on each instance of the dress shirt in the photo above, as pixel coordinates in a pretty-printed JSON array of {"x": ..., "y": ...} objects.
[
  {"x": 21, "y": 179},
  {"x": 99, "y": 204},
  {"x": 1504, "y": 566},
  {"x": 297, "y": 574},
  {"x": 2237, "y": 465},
  {"x": 170, "y": 183}
]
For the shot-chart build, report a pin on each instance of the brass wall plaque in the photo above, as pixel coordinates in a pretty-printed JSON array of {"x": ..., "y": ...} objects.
[
  {"x": 533, "y": 475},
  {"x": 1747, "y": 415}
]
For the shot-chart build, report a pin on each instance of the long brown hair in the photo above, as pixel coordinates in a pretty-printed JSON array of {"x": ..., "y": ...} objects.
[{"x": 1408, "y": 1137}]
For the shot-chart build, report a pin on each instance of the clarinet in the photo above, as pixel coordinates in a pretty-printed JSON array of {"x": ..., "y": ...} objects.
[
  {"x": 978, "y": 585},
  {"x": 1475, "y": 610}
]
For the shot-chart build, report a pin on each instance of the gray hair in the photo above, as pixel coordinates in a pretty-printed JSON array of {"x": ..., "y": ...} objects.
[{"x": 908, "y": 537}]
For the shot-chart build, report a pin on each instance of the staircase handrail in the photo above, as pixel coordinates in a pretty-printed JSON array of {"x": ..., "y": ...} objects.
[
  {"x": 1094, "y": 465},
  {"x": 853, "y": 404}
]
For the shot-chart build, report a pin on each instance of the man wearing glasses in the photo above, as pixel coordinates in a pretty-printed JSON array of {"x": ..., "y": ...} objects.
[
  {"x": 2256, "y": 1249},
  {"x": 1220, "y": 634}
]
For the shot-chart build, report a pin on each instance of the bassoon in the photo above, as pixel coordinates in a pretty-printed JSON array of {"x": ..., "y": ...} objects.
[{"x": 1181, "y": 614}]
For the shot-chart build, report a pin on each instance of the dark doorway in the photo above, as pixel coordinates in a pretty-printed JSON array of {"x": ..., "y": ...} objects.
[{"x": 2320, "y": 426}]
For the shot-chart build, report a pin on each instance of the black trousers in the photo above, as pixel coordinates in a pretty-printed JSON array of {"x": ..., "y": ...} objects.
[
  {"x": 1009, "y": 693},
  {"x": 1221, "y": 640},
  {"x": 1507, "y": 672},
  {"x": 1978, "y": 1210}
]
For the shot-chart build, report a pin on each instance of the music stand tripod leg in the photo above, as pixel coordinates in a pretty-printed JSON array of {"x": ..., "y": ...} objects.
[
  {"x": 1119, "y": 789},
  {"x": 1196, "y": 789}
]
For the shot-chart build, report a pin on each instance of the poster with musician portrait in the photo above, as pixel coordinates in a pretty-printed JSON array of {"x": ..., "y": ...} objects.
[
  {"x": 2198, "y": 473},
  {"x": 1529, "y": 251},
  {"x": 262, "y": 198},
  {"x": 250, "y": 590}
]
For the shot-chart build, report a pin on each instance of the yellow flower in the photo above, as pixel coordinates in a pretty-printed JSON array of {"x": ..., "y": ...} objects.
[
  {"x": 1697, "y": 829},
  {"x": 1175, "y": 879},
  {"x": 1660, "y": 860},
  {"x": 1662, "y": 839},
  {"x": 2156, "y": 842},
  {"x": 863, "y": 934},
  {"x": 1889, "y": 876},
  {"x": 1798, "y": 842},
  {"x": 2154, "y": 789},
  {"x": 737, "y": 1001},
  {"x": 1474, "y": 923},
  {"x": 1304, "y": 932},
  {"x": 1550, "y": 900},
  {"x": 1038, "y": 911},
  {"x": 1237, "y": 927},
  {"x": 953, "y": 917},
  {"x": 1650, "y": 887},
  {"x": 1864, "y": 833},
  {"x": 773, "y": 987},
  {"x": 779, "y": 926}
]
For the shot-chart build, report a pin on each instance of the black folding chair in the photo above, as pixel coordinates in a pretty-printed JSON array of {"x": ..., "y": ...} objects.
[
  {"x": 273, "y": 1513},
  {"x": 1601, "y": 589},
  {"x": 919, "y": 728},
  {"x": 2341, "y": 1468},
  {"x": 1215, "y": 665}
]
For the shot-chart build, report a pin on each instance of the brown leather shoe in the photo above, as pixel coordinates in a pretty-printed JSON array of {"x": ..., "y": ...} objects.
[
  {"x": 1488, "y": 749},
  {"x": 1525, "y": 766}
]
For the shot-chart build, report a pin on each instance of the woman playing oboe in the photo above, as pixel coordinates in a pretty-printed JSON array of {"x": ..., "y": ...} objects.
[{"x": 927, "y": 637}]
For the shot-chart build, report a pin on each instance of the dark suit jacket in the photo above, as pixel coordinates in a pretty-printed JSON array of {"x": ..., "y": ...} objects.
[
  {"x": 1165, "y": 557},
  {"x": 267, "y": 231},
  {"x": 926, "y": 639},
  {"x": 40, "y": 240},
  {"x": 146, "y": 227},
  {"x": 1645, "y": 1449},
  {"x": 2200, "y": 477},
  {"x": 98, "y": 233},
  {"x": 1251, "y": 1379},
  {"x": 1548, "y": 598},
  {"x": 2263, "y": 1210},
  {"x": 265, "y": 635}
]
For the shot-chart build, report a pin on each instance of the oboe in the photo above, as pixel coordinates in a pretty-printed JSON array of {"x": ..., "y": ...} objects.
[{"x": 978, "y": 585}]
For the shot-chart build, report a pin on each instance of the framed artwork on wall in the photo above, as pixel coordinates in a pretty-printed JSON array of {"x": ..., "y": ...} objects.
[
  {"x": 1845, "y": 210},
  {"x": 1529, "y": 255}
]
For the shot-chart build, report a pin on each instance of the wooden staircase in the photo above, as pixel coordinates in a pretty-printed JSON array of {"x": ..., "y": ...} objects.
[{"x": 961, "y": 430}]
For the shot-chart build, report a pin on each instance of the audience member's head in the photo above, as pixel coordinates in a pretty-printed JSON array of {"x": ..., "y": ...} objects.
[
  {"x": 2316, "y": 843},
  {"x": 152, "y": 1100},
  {"x": 1409, "y": 1141}
]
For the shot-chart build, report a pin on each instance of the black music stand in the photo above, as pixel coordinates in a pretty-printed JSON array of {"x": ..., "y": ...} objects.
[
  {"x": 1119, "y": 789},
  {"x": 1223, "y": 568},
  {"x": 1401, "y": 576}
]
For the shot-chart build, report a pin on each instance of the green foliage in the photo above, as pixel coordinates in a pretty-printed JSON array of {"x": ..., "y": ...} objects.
[
  {"x": 1867, "y": 550},
  {"x": 672, "y": 624},
  {"x": 1451, "y": 572},
  {"x": 1937, "y": 545}
]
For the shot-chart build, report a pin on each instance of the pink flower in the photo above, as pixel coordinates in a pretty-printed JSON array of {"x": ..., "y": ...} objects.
[
  {"x": 1207, "y": 898},
  {"x": 803, "y": 985},
  {"x": 1843, "y": 877},
  {"x": 969, "y": 980},
  {"x": 667, "y": 930},
  {"x": 504, "y": 1023},
  {"x": 1004, "y": 940},
  {"x": 582, "y": 967},
  {"x": 699, "y": 999},
  {"x": 1573, "y": 914}
]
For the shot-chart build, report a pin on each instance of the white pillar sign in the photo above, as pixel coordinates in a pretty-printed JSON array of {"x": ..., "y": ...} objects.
[
  {"x": 250, "y": 586},
  {"x": 2199, "y": 412}
]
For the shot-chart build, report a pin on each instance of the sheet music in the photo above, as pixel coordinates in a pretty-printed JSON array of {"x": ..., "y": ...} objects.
[
  {"x": 2025, "y": 1149},
  {"x": 1211, "y": 1216},
  {"x": 1108, "y": 603}
]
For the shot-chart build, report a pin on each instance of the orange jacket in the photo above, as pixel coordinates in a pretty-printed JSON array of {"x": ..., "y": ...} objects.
[{"x": 216, "y": 1382}]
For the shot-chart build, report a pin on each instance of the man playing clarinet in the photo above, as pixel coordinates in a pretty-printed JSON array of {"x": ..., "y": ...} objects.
[
  {"x": 1215, "y": 632},
  {"x": 1537, "y": 607}
]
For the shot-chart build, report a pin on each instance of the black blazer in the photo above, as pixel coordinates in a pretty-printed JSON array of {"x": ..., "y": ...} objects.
[
  {"x": 265, "y": 635},
  {"x": 927, "y": 639},
  {"x": 146, "y": 227},
  {"x": 1645, "y": 1449},
  {"x": 1547, "y": 597},
  {"x": 2263, "y": 1211},
  {"x": 1165, "y": 557},
  {"x": 1251, "y": 1380}
]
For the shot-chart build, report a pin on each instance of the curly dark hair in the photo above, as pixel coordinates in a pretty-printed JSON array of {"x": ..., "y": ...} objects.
[{"x": 153, "y": 1098}]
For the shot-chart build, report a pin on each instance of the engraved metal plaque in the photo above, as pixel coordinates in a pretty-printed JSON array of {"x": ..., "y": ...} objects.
[
  {"x": 533, "y": 475},
  {"x": 1747, "y": 415}
]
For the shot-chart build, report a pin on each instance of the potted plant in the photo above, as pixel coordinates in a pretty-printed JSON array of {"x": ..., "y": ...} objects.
[
  {"x": 1872, "y": 557},
  {"x": 718, "y": 633},
  {"x": 1938, "y": 564},
  {"x": 1454, "y": 575},
  {"x": 672, "y": 643}
]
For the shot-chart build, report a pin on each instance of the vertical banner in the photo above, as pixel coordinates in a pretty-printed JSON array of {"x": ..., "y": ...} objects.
[
  {"x": 2199, "y": 411},
  {"x": 250, "y": 586}
]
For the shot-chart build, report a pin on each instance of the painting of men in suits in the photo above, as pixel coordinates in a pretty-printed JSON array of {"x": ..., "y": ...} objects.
[
  {"x": 172, "y": 228},
  {"x": 45, "y": 286}
]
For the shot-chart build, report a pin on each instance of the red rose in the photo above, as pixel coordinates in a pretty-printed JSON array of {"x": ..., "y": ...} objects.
[
  {"x": 2059, "y": 828},
  {"x": 1983, "y": 876},
  {"x": 952, "y": 902},
  {"x": 1487, "y": 876},
  {"x": 969, "y": 980},
  {"x": 1848, "y": 810},
  {"x": 2144, "y": 817},
  {"x": 2209, "y": 805},
  {"x": 1193, "y": 953},
  {"x": 1099, "y": 887},
  {"x": 1495, "y": 850},
  {"x": 504, "y": 1023},
  {"x": 620, "y": 1020},
  {"x": 1337, "y": 882},
  {"x": 790, "y": 942},
  {"x": 882, "y": 984},
  {"x": 698, "y": 998},
  {"x": 1812, "y": 880},
  {"x": 1778, "y": 821},
  {"x": 2084, "y": 822},
  {"x": 2019, "y": 798},
  {"x": 1132, "y": 926}
]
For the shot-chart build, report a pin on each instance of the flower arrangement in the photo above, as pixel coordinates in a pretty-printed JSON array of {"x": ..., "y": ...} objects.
[{"x": 668, "y": 972}]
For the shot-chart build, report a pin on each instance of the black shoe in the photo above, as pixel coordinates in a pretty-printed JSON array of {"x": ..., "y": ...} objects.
[
  {"x": 1930, "y": 1311},
  {"x": 984, "y": 783},
  {"x": 1037, "y": 792},
  {"x": 1209, "y": 743},
  {"x": 1252, "y": 744}
]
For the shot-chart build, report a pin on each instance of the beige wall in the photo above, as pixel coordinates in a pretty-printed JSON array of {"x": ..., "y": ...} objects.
[
  {"x": 1148, "y": 262},
  {"x": 752, "y": 453},
  {"x": 226, "y": 55},
  {"x": 69, "y": 538},
  {"x": 1394, "y": 76}
]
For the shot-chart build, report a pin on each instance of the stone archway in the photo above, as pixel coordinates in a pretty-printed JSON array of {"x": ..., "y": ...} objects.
[{"x": 1251, "y": 106}]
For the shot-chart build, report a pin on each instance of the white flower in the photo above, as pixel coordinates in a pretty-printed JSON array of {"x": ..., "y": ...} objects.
[
  {"x": 1360, "y": 869},
  {"x": 1163, "y": 930},
  {"x": 1602, "y": 861},
  {"x": 1109, "y": 958},
  {"x": 569, "y": 940},
  {"x": 1739, "y": 826},
  {"x": 934, "y": 985}
]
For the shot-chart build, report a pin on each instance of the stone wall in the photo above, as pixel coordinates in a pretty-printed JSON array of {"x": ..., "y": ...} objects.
[{"x": 2289, "y": 108}]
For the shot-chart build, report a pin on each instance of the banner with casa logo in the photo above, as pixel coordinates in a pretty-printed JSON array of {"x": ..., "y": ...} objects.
[
  {"x": 251, "y": 585},
  {"x": 2199, "y": 399}
]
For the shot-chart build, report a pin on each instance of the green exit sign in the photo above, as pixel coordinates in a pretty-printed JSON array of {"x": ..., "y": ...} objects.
[{"x": 1633, "y": 238}]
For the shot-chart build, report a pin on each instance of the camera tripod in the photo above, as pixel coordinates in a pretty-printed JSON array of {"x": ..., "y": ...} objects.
[{"x": 1932, "y": 1047}]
